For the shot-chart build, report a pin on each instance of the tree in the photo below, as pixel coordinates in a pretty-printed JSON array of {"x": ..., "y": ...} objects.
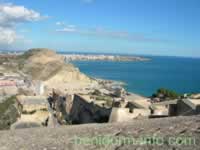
[{"x": 166, "y": 93}]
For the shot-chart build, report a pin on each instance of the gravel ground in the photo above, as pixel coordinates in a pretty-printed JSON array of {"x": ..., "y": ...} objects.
[{"x": 178, "y": 133}]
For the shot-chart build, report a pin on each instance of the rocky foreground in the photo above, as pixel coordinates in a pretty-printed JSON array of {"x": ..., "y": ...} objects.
[{"x": 178, "y": 133}]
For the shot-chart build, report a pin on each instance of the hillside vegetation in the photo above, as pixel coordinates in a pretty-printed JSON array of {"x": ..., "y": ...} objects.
[{"x": 8, "y": 113}]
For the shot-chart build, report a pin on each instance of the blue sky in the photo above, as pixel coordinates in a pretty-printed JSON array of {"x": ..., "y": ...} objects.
[{"x": 156, "y": 27}]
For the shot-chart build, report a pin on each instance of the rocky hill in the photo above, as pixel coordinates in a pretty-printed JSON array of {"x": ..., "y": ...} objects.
[
  {"x": 178, "y": 133},
  {"x": 43, "y": 64},
  {"x": 47, "y": 66}
]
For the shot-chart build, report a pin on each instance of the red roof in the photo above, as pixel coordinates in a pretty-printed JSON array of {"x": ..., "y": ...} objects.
[{"x": 7, "y": 83}]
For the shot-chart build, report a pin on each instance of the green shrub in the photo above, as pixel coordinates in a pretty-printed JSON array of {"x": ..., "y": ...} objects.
[
  {"x": 5, "y": 105},
  {"x": 107, "y": 99},
  {"x": 166, "y": 93},
  {"x": 96, "y": 92},
  {"x": 8, "y": 113}
]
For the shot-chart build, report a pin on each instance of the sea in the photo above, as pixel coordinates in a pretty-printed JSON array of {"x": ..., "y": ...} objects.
[{"x": 180, "y": 74}]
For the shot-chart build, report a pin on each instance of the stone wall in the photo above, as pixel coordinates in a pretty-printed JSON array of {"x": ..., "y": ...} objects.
[
  {"x": 183, "y": 109},
  {"x": 82, "y": 111},
  {"x": 74, "y": 109},
  {"x": 126, "y": 114}
]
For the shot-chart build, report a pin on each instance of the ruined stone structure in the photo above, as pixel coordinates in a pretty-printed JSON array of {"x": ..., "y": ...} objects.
[
  {"x": 77, "y": 110},
  {"x": 188, "y": 107},
  {"x": 124, "y": 114},
  {"x": 183, "y": 107},
  {"x": 85, "y": 112},
  {"x": 33, "y": 111}
]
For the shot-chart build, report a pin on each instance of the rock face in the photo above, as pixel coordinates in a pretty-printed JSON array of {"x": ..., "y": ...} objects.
[
  {"x": 43, "y": 64},
  {"x": 46, "y": 65},
  {"x": 179, "y": 133}
]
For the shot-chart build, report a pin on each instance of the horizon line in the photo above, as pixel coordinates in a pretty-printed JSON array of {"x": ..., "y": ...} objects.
[{"x": 107, "y": 53}]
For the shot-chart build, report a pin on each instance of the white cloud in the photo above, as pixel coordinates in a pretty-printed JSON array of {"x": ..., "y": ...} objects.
[
  {"x": 7, "y": 36},
  {"x": 66, "y": 29},
  {"x": 60, "y": 23},
  {"x": 101, "y": 32},
  {"x": 10, "y": 16}
]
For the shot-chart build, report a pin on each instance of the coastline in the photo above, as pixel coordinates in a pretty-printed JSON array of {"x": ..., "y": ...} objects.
[
  {"x": 69, "y": 58},
  {"x": 102, "y": 57},
  {"x": 115, "y": 83},
  {"x": 121, "y": 84},
  {"x": 155, "y": 63}
]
